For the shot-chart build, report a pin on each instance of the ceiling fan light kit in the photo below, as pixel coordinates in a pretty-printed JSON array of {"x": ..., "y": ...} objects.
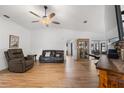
[{"x": 45, "y": 20}]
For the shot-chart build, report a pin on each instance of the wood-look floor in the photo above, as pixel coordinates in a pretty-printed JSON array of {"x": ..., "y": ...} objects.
[{"x": 70, "y": 74}]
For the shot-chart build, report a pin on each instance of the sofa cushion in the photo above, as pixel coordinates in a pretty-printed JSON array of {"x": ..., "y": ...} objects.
[
  {"x": 57, "y": 55},
  {"x": 47, "y": 54}
]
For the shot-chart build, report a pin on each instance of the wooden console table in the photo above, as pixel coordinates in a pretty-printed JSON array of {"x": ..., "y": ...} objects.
[{"x": 111, "y": 72}]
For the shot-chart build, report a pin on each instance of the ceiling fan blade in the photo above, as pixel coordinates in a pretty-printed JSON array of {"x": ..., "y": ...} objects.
[
  {"x": 35, "y": 14},
  {"x": 51, "y": 15},
  {"x": 55, "y": 22},
  {"x": 35, "y": 21}
]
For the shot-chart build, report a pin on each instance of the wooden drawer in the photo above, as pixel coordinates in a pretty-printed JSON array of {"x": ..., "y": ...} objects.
[
  {"x": 121, "y": 83},
  {"x": 113, "y": 84}
]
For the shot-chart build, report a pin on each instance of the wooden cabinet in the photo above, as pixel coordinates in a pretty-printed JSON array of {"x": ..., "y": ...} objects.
[
  {"x": 121, "y": 84},
  {"x": 103, "y": 81},
  {"x": 109, "y": 75},
  {"x": 110, "y": 80}
]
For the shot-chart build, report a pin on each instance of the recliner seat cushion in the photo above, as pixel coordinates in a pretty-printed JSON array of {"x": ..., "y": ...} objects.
[{"x": 28, "y": 63}]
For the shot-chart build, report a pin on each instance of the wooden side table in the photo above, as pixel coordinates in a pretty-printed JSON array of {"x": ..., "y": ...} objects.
[{"x": 34, "y": 56}]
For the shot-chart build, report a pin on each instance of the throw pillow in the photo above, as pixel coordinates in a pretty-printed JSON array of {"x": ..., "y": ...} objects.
[
  {"x": 47, "y": 54},
  {"x": 57, "y": 55}
]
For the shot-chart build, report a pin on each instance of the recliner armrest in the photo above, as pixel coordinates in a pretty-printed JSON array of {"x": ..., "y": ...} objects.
[
  {"x": 28, "y": 57},
  {"x": 17, "y": 61}
]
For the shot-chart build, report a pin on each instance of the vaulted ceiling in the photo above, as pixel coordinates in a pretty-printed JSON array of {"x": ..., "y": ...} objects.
[{"x": 70, "y": 16}]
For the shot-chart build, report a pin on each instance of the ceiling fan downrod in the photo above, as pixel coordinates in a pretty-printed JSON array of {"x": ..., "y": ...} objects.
[{"x": 45, "y": 7}]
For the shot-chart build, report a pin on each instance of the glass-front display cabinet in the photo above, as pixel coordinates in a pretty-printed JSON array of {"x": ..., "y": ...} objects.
[{"x": 82, "y": 49}]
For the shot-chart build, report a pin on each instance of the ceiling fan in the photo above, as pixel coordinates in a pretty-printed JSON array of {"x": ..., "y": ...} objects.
[{"x": 46, "y": 19}]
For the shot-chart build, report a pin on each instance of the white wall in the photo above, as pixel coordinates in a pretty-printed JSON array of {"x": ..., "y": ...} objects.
[
  {"x": 7, "y": 28},
  {"x": 110, "y": 23},
  {"x": 53, "y": 38}
]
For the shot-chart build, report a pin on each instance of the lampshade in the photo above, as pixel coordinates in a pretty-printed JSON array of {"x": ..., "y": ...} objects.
[{"x": 46, "y": 21}]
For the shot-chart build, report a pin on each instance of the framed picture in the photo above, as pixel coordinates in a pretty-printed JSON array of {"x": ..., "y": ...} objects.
[{"x": 13, "y": 41}]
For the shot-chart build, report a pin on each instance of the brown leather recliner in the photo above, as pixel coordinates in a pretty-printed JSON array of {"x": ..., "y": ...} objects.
[{"x": 17, "y": 62}]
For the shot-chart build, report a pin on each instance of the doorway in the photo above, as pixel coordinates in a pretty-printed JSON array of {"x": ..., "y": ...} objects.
[{"x": 69, "y": 48}]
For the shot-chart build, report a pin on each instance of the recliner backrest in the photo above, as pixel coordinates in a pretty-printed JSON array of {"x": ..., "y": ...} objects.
[{"x": 15, "y": 53}]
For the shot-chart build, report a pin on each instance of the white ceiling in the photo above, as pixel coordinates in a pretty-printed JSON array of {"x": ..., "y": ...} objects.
[{"x": 70, "y": 16}]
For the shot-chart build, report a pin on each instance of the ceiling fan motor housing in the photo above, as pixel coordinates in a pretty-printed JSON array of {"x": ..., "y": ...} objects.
[{"x": 45, "y": 7}]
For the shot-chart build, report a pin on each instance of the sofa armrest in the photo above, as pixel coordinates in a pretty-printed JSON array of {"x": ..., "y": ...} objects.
[{"x": 41, "y": 57}]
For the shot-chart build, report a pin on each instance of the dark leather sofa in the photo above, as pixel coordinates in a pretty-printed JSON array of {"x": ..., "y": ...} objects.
[
  {"x": 17, "y": 62},
  {"x": 52, "y": 56}
]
